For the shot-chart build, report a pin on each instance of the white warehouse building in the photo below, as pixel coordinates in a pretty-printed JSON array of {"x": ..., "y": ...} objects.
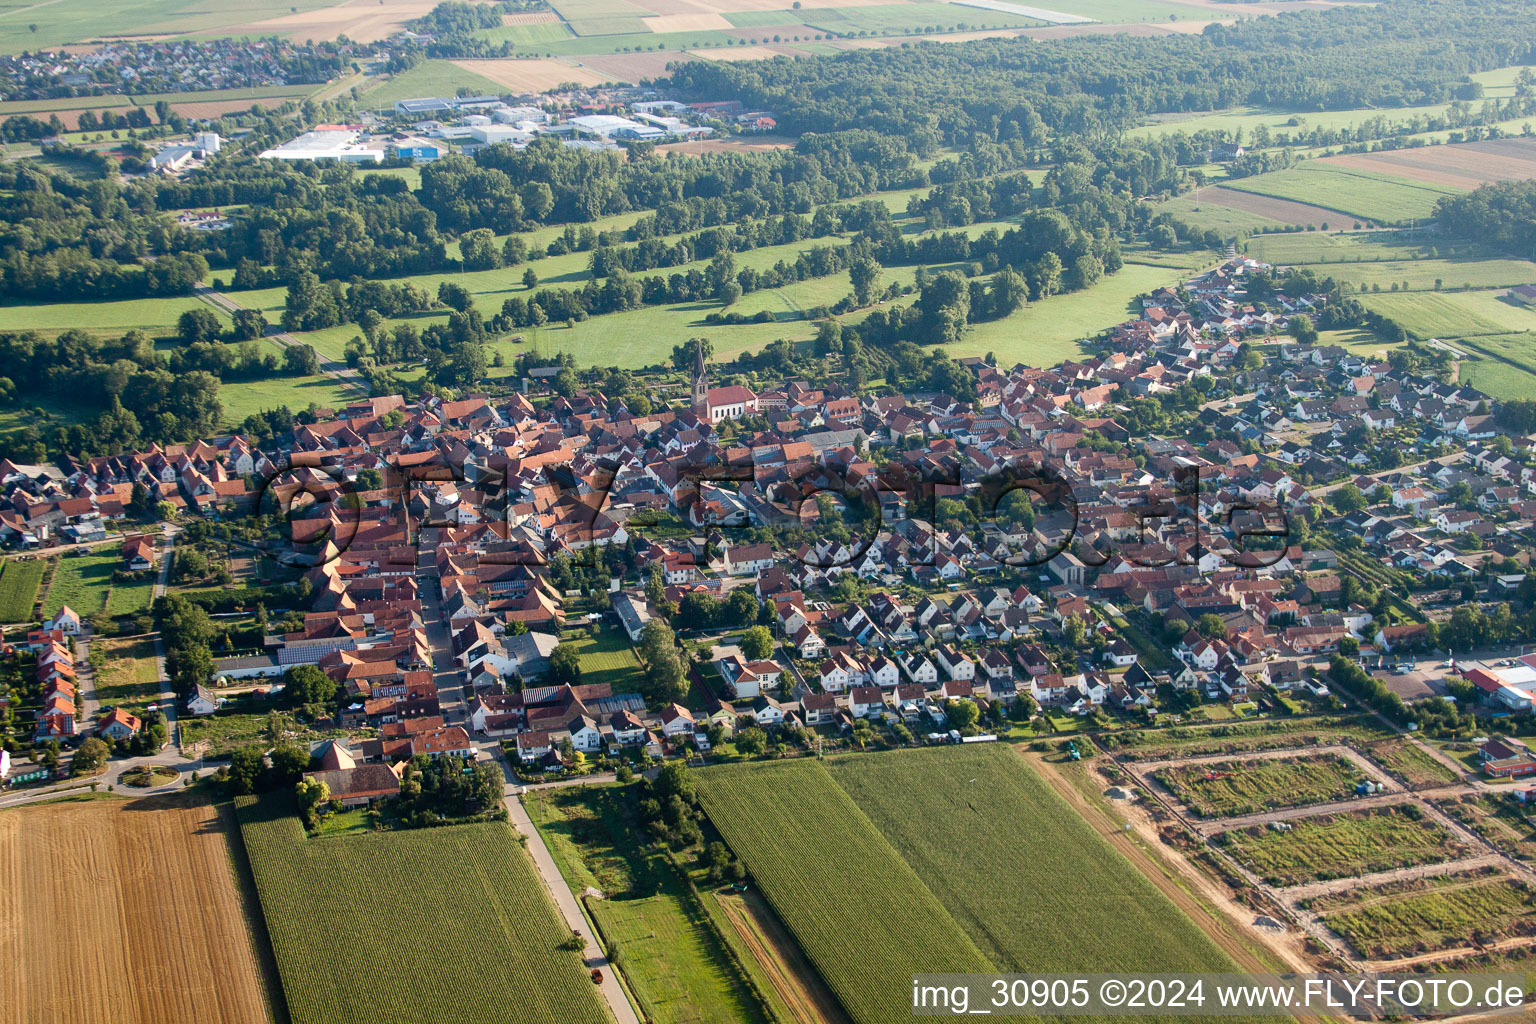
[{"x": 339, "y": 144}]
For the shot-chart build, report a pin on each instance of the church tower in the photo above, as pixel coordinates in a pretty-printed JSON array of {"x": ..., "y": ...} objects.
[{"x": 700, "y": 380}]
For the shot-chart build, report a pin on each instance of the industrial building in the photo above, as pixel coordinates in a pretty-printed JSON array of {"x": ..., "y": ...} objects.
[
  {"x": 327, "y": 143},
  {"x": 609, "y": 126}
]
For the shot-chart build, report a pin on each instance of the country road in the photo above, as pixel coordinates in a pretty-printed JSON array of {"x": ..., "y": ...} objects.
[
  {"x": 455, "y": 711},
  {"x": 339, "y": 372}
]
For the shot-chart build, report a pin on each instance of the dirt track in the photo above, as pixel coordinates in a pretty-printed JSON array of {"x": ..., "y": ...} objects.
[
  {"x": 794, "y": 981},
  {"x": 1218, "y": 930}
]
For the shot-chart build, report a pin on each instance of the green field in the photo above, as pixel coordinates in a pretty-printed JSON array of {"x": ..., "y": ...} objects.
[
  {"x": 1499, "y": 379},
  {"x": 18, "y": 588},
  {"x": 477, "y": 938},
  {"x": 1439, "y": 913},
  {"x": 1222, "y": 789},
  {"x": 129, "y": 675},
  {"x": 115, "y": 317},
  {"x": 956, "y": 814},
  {"x": 1309, "y": 247},
  {"x": 1452, "y": 315},
  {"x": 1129, "y": 11},
  {"x": 896, "y": 19},
  {"x": 1377, "y": 261},
  {"x": 70, "y": 21},
  {"x": 430, "y": 78},
  {"x": 1208, "y": 216},
  {"x": 767, "y": 19},
  {"x": 246, "y": 397},
  {"x": 1046, "y": 332},
  {"x": 132, "y": 597},
  {"x": 82, "y": 581},
  {"x": 680, "y": 972},
  {"x": 1499, "y": 83},
  {"x": 610, "y": 658},
  {"x": 117, "y": 101},
  {"x": 918, "y": 861},
  {"x": 1268, "y": 734},
  {"x": 1497, "y": 818},
  {"x": 1342, "y": 845},
  {"x": 1383, "y": 198},
  {"x": 527, "y": 35},
  {"x": 859, "y": 911}
]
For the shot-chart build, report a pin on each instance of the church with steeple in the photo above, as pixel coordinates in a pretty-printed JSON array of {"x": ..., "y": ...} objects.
[
  {"x": 700, "y": 382},
  {"x": 715, "y": 404}
]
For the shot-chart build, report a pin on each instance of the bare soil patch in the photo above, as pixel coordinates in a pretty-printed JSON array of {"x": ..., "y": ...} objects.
[
  {"x": 1283, "y": 210},
  {"x": 1461, "y": 166},
  {"x": 734, "y": 53},
  {"x": 732, "y": 6}
]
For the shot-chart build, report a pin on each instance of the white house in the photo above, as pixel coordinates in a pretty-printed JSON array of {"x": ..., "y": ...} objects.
[
  {"x": 959, "y": 666},
  {"x": 66, "y": 620},
  {"x": 202, "y": 702}
]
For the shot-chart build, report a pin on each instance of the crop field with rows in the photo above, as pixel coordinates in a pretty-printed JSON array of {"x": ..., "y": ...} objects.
[
  {"x": 859, "y": 911},
  {"x": 448, "y": 924},
  {"x": 937, "y": 860}
]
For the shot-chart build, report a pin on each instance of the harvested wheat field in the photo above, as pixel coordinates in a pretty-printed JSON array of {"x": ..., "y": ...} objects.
[
  {"x": 530, "y": 18},
  {"x": 631, "y": 67},
  {"x": 363, "y": 21},
  {"x": 125, "y": 911},
  {"x": 735, "y": 53},
  {"x": 538, "y": 74},
  {"x": 687, "y": 23},
  {"x": 1464, "y": 166},
  {"x": 737, "y": 6}
]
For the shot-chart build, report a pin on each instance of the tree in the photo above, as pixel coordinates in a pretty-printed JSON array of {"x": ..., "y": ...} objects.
[
  {"x": 1347, "y": 498},
  {"x": 665, "y": 678},
  {"x": 250, "y": 324},
  {"x": 1211, "y": 627},
  {"x": 1248, "y": 357},
  {"x": 864, "y": 273},
  {"x": 301, "y": 360},
  {"x": 198, "y": 325},
  {"x": 962, "y": 714},
  {"x": 757, "y": 643},
  {"x": 565, "y": 665},
  {"x": 751, "y": 741},
  {"x": 90, "y": 757},
  {"x": 1302, "y": 330},
  {"x": 244, "y": 770},
  {"x": 656, "y": 585},
  {"x": 306, "y": 684},
  {"x": 565, "y": 383},
  {"x": 530, "y": 279}
]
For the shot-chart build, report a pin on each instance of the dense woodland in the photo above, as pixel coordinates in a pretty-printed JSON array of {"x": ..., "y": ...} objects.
[
  {"x": 1402, "y": 53},
  {"x": 1502, "y": 214}
]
